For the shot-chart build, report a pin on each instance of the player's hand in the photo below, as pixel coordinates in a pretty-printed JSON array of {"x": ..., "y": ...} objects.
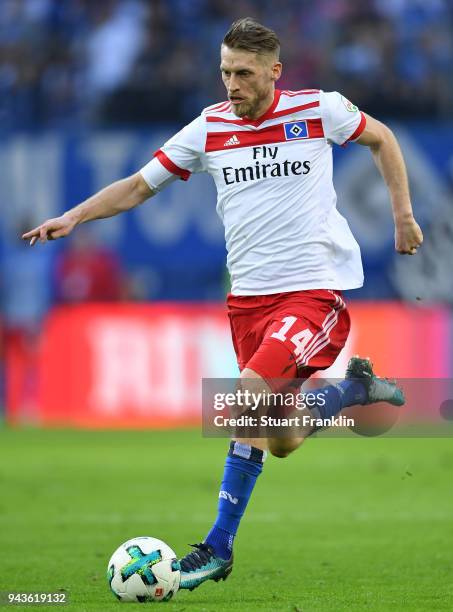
[
  {"x": 51, "y": 229},
  {"x": 408, "y": 237}
]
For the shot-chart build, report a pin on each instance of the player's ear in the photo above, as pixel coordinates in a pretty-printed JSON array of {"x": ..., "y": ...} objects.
[{"x": 276, "y": 71}]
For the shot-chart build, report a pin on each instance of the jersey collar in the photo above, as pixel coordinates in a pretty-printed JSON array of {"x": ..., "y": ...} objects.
[{"x": 266, "y": 115}]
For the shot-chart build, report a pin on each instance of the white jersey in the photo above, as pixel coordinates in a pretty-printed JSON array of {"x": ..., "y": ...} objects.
[{"x": 275, "y": 191}]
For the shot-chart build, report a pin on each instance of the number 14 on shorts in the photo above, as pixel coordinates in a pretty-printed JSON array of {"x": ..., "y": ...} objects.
[{"x": 299, "y": 339}]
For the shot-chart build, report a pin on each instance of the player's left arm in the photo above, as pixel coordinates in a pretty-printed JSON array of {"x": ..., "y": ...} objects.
[{"x": 389, "y": 160}]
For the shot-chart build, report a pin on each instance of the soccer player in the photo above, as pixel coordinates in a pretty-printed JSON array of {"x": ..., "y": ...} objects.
[{"x": 290, "y": 253}]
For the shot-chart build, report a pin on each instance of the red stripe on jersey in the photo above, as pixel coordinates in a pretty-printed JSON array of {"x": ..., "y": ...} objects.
[
  {"x": 282, "y": 113},
  {"x": 301, "y": 92},
  {"x": 358, "y": 130},
  {"x": 222, "y": 120},
  {"x": 214, "y": 106},
  {"x": 217, "y": 107},
  {"x": 170, "y": 166},
  {"x": 295, "y": 109},
  {"x": 225, "y": 107},
  {"x": 217, "y": 141}
]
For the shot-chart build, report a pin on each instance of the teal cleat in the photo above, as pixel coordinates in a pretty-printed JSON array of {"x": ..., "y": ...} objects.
[
  {"x": 202, "y": 564},
  {"x": 378, "y": 389}
]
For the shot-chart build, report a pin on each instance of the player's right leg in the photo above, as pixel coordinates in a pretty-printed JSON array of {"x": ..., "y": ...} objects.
[
  {"x": 376, "y": 389},
  {"x": 307, "y": 333},
  {"x": 360, "y": 386}
]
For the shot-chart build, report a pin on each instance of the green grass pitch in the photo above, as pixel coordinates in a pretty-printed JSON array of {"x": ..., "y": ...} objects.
[{"x": 342, "y": 524}]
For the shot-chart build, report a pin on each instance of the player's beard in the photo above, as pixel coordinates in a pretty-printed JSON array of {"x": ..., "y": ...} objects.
[
  {"x": 240, "y": 110},
  {"x": 249, "y": 107}
]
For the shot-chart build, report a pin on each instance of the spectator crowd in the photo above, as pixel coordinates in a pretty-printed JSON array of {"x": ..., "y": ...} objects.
[{"x": 110, "y": 62}]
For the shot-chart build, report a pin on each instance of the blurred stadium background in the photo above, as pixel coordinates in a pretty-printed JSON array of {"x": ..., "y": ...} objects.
[{"x": 128, "y": 306}]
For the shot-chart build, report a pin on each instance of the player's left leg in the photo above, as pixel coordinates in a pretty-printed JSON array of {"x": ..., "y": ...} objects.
[
  {"x": 213, "y": 558},
  {"x": 269, "y": 335}
]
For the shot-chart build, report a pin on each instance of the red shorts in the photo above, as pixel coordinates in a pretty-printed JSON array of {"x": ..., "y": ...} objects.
[{"x": 288, "y": 335}]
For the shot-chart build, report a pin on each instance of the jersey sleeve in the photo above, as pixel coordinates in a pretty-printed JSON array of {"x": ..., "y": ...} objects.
[
  {"x": 343, "y": 122},
  {"x": 179, "y": 157}
]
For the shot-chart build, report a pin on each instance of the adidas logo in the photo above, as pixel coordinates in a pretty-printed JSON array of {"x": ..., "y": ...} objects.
[{"x": 234, "y": 140}]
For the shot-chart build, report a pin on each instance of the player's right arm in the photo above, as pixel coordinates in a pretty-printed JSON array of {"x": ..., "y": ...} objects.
[
  {"x": 112, "y": 200},
  {"x": 178, "y": 158}
]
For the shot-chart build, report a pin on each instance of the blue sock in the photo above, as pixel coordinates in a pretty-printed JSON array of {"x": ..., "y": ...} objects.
[
  {"x": 352, "y": 392},
  {"x": 242, "y": 467},
  {"x": 334, "y": 398}
]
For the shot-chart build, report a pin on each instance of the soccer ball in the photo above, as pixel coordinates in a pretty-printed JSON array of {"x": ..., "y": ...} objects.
[{"x": 144, "y": 569}]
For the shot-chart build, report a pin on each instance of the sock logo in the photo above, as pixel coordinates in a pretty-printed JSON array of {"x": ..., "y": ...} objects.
[
  {"x": 228, "y": 497},
  {"x": 230, "y": 542}
]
